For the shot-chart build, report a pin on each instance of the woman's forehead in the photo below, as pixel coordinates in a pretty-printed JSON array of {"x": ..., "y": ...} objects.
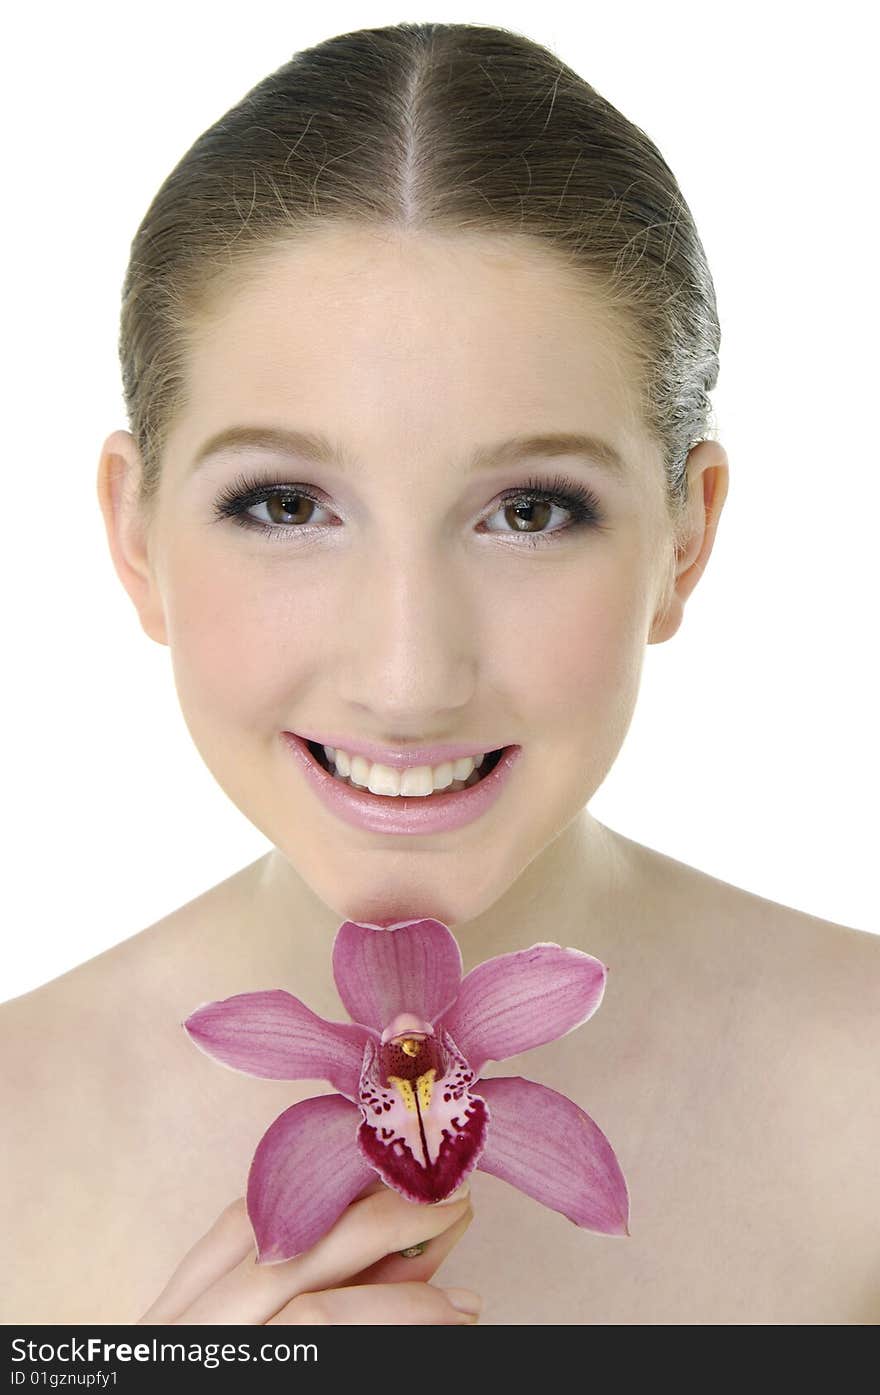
[
  {"x": 474, "y": 286},
  {"x": 418, "y": 327}
]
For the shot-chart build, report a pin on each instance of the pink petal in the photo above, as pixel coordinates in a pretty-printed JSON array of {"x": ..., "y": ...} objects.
[
  {"x": 516, "y": 1001},
  {"x": 306, "y": 1170},
  {"x": 273, "y": 1035},
  {"x": 423, "y": 1135},
  {"x": 543, "y": 1143},
  {"x": 380, "y": 973}
]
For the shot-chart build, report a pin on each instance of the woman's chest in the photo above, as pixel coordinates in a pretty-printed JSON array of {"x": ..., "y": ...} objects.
[
  {"x": 715, "y": 1239},
  {"x": 748, "y": 1154},
  {"x": 720, "y": 1233},
  {"x": 747, "y": 1178}
]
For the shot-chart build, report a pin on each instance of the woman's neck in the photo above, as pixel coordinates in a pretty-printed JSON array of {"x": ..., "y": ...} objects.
[{"x": 578, "y": 891}]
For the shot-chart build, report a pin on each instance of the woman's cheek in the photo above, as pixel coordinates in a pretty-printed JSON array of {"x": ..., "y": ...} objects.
[
  {"x": 235, "y": 645},
  {"x": 585, "y": 647}
]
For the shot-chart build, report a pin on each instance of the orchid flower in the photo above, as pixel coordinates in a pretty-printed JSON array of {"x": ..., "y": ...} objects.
[{"x": 405, "y": 1068}]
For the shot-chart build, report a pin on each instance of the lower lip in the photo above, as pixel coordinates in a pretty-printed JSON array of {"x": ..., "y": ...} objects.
[{"x": 433, "y": 813}]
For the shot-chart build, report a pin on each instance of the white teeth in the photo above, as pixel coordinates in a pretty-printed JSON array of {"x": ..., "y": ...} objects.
[
  {"x": 419, "y": 780},
  {"x": 461, "y": 769}
]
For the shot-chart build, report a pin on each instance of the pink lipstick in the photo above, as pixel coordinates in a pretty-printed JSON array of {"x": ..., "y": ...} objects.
[{"x": 402, "y": 814}]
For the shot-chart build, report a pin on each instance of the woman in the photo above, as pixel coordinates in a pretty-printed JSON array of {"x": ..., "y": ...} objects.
[{"x": 417, "y": 344}]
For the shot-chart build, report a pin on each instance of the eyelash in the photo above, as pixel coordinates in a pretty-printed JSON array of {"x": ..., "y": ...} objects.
[{"x": 577, "y": 499}]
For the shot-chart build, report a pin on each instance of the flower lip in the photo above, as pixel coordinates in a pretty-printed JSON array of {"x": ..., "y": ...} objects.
[{"x": 401, "y": 757}]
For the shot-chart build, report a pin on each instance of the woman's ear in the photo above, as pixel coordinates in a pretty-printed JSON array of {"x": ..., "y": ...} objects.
[
  {"x": 708, "y": 480},
  {"x": 119, "y": 474}
]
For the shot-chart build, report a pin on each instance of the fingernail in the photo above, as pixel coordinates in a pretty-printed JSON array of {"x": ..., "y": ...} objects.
[
  {"x": 463, "y": 1191},
  {"x": 464, "y": 1301}
]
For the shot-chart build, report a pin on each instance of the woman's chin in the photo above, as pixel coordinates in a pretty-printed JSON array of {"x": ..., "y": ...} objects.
[
  {"x": 386, "y": 915},
  {"x": 378, "y": 905}
]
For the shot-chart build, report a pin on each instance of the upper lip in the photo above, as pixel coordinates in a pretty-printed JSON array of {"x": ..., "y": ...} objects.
[{"x": 399, "y": 757}]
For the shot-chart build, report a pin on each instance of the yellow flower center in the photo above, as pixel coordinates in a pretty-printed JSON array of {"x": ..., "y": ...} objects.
[{"x": 424, "y": 1085}]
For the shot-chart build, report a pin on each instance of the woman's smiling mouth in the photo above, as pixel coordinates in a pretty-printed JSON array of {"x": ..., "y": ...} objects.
[
  {"x": 416, "y": 779},
  {"x": 418, "y": 807}
]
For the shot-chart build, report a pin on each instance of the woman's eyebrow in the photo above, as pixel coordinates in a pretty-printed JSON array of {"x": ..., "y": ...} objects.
[{"x": 311, "y": 446}]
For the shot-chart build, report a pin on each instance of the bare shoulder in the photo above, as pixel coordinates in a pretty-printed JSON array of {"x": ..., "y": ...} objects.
[
  {"x": 823, "y": 989},
  {"x": 792, "y": 1011},
  {"x": 837, "y": 963},
  {"x": 824, "y": 978},
  {"x": 37, "y": 1032},
  {"x": 87, "y": 1061},
  {"x": 51, "y": 1095},
  {"x": 65, "y": 1028},
  {"x": 808, "y": 987},
  {"x": 800, "y": 996}
]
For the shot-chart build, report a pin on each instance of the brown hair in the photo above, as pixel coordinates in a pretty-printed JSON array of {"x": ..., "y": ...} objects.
[{"x": 452, "y": 127}]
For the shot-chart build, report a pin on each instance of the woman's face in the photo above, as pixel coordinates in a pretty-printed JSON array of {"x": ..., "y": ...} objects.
[{"x": 403, "y": 602}]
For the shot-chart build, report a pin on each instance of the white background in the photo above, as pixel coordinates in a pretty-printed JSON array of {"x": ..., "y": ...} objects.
[{"x": 753, "y": 753}]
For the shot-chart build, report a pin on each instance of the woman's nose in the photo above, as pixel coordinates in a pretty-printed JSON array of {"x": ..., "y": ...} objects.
[{"x": 412, "y": 642}]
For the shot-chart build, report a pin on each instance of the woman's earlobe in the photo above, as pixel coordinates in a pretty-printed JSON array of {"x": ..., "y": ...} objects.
[
  {"x": 119, "y": 472},
  {"x": 667, "y": 620}
]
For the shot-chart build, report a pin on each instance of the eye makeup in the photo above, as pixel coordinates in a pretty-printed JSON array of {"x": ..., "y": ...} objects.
[{"x": 576, "y": 499}]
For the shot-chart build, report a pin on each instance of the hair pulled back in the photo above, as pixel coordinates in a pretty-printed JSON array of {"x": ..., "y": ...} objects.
[{"x": 444, "y": 127}]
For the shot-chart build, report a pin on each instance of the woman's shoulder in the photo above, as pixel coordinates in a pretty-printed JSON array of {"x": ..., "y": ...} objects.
[
  {"x": 67, "y": 1047},
  {"x": 120, "y": 984},
  {"x": 805, "y": 988},
  {"x": 758, "y": 1026},
  {"x": 61, "y": 1028},
  {"x": 710, "y": 909},
  {"x": 56, "y": 1098},
  {"x": 97, "y": 1077},
  {"x": 76, "y": 1035},
  {"x": 804, "y": 993}
]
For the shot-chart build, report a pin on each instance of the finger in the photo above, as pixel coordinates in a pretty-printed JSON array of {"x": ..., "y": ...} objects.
[
  {"x": 377, "y": 1185},
  {"x": 372, "y": 1304},
  {"x": 395, "y": 1269},
  {"x": 225, "y": 1244},
  {"x": 368, "y": 1229}
]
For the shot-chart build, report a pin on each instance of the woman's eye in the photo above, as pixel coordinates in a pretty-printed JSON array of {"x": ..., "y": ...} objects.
[
  {"x": 531, "y": 513},
  {"x": 528, "y": 513},
  {"x": 290, "y": 509}
]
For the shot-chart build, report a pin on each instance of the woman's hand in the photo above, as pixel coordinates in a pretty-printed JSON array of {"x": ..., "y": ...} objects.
[{"x": 354, "y": 1274}]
